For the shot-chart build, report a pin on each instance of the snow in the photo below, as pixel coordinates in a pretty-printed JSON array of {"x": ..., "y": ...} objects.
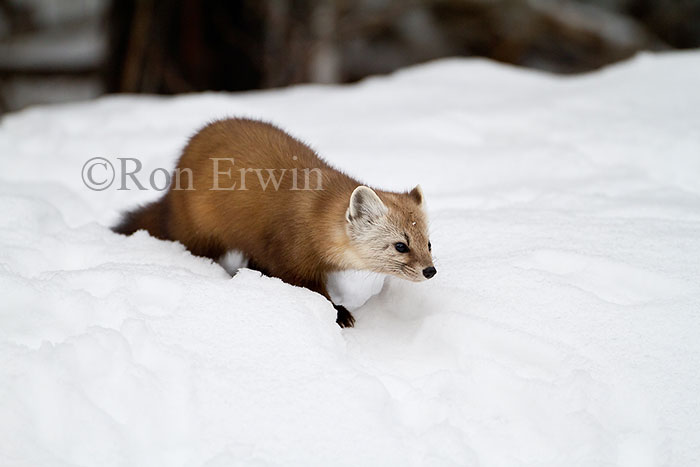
[{"x": 561, "y": 328}]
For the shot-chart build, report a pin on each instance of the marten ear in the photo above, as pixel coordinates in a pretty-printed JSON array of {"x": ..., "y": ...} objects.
[
  {"x": 417, "y": 195},
  {"x": 365, "y": 204}
]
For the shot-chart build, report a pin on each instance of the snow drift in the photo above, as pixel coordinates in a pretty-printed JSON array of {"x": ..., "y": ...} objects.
[{"x": 561, "y": 328}]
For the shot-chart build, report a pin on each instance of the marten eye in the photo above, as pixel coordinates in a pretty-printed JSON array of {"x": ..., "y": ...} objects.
[
  {"x": 401, "y": 247},
  {"x": 430, "y": 247}
]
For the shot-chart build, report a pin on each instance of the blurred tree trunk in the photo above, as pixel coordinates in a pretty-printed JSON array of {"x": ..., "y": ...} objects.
[
  {"x": 173, "y": 46},
  {"x": 165, "y": 46}
]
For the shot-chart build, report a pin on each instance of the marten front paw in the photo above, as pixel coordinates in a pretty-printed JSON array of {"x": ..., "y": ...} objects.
[{"x": 345, "y": 319}]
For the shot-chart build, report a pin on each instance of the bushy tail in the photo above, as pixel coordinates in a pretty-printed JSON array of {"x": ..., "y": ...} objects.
[{"x": 152, "y": 217}]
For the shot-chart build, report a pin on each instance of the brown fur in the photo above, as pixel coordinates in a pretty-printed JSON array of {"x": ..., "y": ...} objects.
[{"x": 297, "y": 235}]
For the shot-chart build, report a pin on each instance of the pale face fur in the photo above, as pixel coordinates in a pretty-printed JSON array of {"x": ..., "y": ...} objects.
[{"x": 375, "y": 225}]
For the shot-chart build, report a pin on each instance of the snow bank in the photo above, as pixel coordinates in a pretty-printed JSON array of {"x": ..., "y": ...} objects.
[{"x": 561, "y": 328}]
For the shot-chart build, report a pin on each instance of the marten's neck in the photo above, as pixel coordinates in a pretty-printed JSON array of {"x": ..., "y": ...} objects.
[{"x": 335, "y": 246}]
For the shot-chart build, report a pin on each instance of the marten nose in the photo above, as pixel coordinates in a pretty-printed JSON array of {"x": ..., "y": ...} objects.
[{"x": 429, "y": 272}]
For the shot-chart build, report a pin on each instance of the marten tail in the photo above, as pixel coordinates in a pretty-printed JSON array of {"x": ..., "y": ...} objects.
[{"x": 152, "y": 217}]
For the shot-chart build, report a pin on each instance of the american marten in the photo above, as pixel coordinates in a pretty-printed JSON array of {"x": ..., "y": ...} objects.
[{"x": 247, "y": 185}]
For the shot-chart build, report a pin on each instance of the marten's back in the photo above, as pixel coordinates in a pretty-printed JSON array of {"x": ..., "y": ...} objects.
[{"x": 253, "y": 144}]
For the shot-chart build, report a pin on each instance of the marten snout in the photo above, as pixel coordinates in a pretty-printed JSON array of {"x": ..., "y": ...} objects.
[{"x": 429, "y": 272}]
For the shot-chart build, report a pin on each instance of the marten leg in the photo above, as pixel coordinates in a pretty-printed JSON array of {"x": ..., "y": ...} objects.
[
  {"x": 204, "y": 247},
  {"x": 253, "y": 265},
  {"x": 344, "y": 317}
]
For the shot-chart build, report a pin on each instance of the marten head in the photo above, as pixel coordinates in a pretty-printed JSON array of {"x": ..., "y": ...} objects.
[{"x": 390, "y": 233}]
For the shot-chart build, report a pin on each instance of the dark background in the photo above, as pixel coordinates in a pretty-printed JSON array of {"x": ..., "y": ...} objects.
[{"x": 55, "y": 51}]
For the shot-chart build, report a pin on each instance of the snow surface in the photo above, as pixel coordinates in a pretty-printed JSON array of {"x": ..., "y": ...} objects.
[{"x": 561, "y": 329}]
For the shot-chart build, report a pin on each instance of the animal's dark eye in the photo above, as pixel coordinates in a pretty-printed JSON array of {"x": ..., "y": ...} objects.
[
  {"x": 401, "y": 247},
  {"x": 430, "y": 247}
]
